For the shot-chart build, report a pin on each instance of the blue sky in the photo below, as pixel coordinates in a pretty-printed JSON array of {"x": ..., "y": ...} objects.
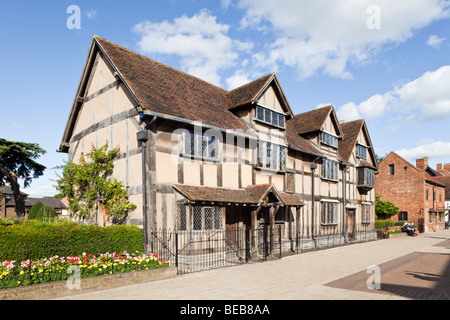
[{"x": 384, "y": 61}]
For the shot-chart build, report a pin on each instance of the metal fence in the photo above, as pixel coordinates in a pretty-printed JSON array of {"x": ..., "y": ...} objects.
[{"x": 198, "y": 250}]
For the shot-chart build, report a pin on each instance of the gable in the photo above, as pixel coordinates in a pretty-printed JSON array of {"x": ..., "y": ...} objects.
[
  {"x": 266, "y": 91},
  {"x": 317, "y": 120}
]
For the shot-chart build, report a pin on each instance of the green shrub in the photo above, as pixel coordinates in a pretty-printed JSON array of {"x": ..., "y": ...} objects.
[
  {"x": 46, "y": 213},
  {"x": 35, "y": 239},
  {"x": 381, "y": 224},
  {"x": 8, "y": 222},
  {"x": 33, "y": 214}
]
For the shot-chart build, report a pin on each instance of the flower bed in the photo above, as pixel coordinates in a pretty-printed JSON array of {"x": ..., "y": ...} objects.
[
  {"x": 385, "y": 232},
  {"x": 28, "y": 272}
]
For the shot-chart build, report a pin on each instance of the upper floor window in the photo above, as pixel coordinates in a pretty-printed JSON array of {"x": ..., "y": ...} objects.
[
  {"x": 270, "y": 116},
  {"x": 330, "y": 170},
  {"x": 362, "y": 151},
  {"x": 391, "y": 170},
  {"x": 201, "y": 145},
  {"x": 366, "y": 177},
  {"x": 271, "y": 155},
  {"x": 329, "y": 139}
]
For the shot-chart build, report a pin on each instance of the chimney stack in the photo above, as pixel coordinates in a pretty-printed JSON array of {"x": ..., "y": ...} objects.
[
  {"x": 439, "y": 166},
  {"x": 422, "y": 163},
  {"x": 447, "y": 166}
]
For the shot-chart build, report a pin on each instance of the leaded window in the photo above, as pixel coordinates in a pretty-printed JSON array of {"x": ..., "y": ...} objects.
[
  {"x": 330, "y": 170},
  {"x": 330, "y": 212},
  {"x": 270, "y": 116},
  {"x": 271, "y": 155}
]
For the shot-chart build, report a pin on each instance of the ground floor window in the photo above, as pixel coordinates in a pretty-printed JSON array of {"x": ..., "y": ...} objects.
[
  {"x": 329, "y": 212},
  {"x": 403, "y": 216},
  {"x": 431, "y": 217},
  {"x": 200, "y": 217},
  {"x": 441, "y": 217},
  {"x": 366, "y": 212}
]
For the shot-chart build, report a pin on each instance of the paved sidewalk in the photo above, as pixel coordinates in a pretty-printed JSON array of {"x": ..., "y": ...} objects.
[{"x": 338, "y": 273}]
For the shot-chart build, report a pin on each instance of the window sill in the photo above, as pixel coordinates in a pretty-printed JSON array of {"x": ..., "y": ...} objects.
[
  {"x": 329, "y": 180},
  {"x": 273, "y": 171},
  {"x": 191, "y": 157},
  {"x": 269, "y": 124}
]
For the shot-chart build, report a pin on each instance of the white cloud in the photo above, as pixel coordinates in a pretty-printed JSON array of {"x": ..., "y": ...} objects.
[
  {"x": 428, "y": 96},
  {"x": 18, "y": 125},
  {"x": 200, "y": 41},
  {"x": 91, "y": 14},
  {"x": 325, "y": 36},
  {"x": 435, "y": 149},
  {"x": 238, "y": 79},
  {"x": 435, "y": 41}
]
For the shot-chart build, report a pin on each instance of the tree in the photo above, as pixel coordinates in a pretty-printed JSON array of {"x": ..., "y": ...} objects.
[
  {"x": 89, "y": 182},
  {"x": 46, "y": 213},
  {"x": 17, "y": 162},
  {"x": 385, "y": 208},
  {"x": 34, "y": 211}
]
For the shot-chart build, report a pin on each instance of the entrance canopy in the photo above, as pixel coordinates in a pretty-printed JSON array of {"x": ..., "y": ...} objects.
[{"x": 253, "y": 195}]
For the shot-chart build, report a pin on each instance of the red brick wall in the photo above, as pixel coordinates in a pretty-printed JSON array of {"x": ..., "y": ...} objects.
[{"x": 406, "y": 189}]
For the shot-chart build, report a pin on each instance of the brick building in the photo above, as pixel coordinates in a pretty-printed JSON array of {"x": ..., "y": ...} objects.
[
  {"x": 8, "y": 204},
  {"x": 414, "y": 189}
]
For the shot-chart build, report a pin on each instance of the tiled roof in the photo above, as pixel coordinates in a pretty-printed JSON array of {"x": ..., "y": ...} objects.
[
  {"x": 311, "y": 120},
  {"x": 166, "y": 90},
  {"x": 350, "y": 131},
  {"x": 298, "y": 142},
  {"x": 247, "y": 93},
  {"x": 251, "y": 195},
  {"x": 444, "y": 180}
]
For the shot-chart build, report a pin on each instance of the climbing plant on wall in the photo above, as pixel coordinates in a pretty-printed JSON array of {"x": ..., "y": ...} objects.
[{"x": 88, "y": 183}]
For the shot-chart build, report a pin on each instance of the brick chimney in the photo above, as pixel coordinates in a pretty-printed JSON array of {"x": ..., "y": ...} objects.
[
  {"x": 422, "y": 163},
  {"x": 439, "y": 166},
  {"x": 447, "y": 166}
]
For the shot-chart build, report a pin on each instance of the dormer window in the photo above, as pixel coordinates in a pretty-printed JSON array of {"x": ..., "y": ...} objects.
[
  {"x": 329, "y": 139},
  {"x": 362, "y": 151},
  {"x": 270, "y": 116}
]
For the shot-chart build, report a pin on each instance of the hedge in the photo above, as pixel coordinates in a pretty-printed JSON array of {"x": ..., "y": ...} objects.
[
  {"x": 382, "y": 224},
  {"x": 34, "y": 239}
]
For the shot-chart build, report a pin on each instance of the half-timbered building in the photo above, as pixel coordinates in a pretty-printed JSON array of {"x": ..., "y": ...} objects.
[{"x": 195, "y": 156}]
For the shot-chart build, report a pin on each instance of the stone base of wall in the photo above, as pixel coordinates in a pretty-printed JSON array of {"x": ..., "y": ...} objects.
[
  {"x": 63, "y": 288},
  {"x": 398, "y": 235}
]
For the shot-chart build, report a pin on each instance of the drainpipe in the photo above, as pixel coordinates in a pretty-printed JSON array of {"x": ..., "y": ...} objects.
[
  {"x": 344, "y": 201},
  {"x": 142, "y": 137},
  {"x": 313, "y": 219}
]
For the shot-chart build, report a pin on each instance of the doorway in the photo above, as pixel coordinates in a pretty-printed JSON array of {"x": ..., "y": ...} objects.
[{"x": 351, "y": 223}]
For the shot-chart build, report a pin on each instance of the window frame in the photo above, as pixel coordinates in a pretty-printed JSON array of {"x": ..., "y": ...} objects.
[
  {"x": 272, "y": 158},
  {"x": 197, "y": 147},
  {"x": 361, "y": 146},
  {"x": 333, "y": 140},
  {"x": 366, "y": 210},
  {"x": 400, "y": 215},
  {"x": 267, "y": 116},
  {"x": 195, "y": 218},
  {"x": 367, "y": 179},
  {"x": 330, "y": 170},
  {"x": 329, "y": 217},
  {"x": 391, "y": 172}
]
